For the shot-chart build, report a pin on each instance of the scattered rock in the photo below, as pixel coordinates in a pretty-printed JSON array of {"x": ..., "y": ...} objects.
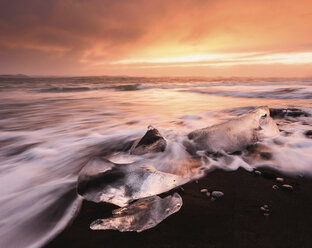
[
  {"x": 287, "y": 187},
  {"x": 275, "y": 186},
  {"x": 265, "y": 209},
  {"x": 203, "y": 190},
  {"x": 280, "y": 179},
  {"x": 258, "y": 172},
  {"x": 217, "y": 194},
  {"x": 208, "y": 194},
  {"x": 151, "y": 142},
  {"x": 287, "y": 112}
]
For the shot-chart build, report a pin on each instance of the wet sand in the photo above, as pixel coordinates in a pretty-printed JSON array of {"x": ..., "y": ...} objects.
[{"x": 235, "y": 220}]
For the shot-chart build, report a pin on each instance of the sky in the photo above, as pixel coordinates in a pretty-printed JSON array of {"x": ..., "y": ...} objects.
[{"x": 256, "y": 38}]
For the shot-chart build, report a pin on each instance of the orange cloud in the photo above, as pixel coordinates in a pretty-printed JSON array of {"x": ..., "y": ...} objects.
[{"x": 127, "y": 37}]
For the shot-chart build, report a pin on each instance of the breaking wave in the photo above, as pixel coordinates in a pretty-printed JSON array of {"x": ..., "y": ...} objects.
[{"x": 46, "y": 138}]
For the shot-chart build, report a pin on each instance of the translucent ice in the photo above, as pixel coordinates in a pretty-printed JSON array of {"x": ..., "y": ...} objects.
[
  {"x": 236, "y": 134},
  {"x": 103, "y": 181},
  {"x": 141, "y": 215}
]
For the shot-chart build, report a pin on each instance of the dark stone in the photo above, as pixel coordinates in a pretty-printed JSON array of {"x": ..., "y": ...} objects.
[
  {"x": 217, "y": 194},
  {"x": 265, "y": 208},
  {"x": 287, "y": 112},
  {"x": 150, "y": 137},
  {"x": 287, "y": 187},
  {"x": 152, "y": 141}
]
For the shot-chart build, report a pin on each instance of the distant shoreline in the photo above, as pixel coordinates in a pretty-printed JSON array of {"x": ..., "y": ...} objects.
[
  {"x": 19, "y": 75},
  {"x": 13, "y": 76}
]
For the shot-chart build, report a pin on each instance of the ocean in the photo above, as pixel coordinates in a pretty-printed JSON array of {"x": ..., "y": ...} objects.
[{"x": 50, "y": 127}]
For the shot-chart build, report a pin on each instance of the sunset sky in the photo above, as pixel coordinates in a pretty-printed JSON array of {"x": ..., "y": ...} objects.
[{"x": 156, "y": 37}]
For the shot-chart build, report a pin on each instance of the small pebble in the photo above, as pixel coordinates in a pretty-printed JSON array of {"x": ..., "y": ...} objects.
[
  {"x": 203, "y": 190},
  {"x": 208, "y": 194},
  {"x": 217, "y": 194},
  {"x": 182, "y": 189},
  {"x": 258, "y": 173},
  {"x": 264, "y": 209},
  {"x": 275, "y": 186},
  {"x": 280, "y": 179},
  {"x": 287, "y": 187},
  {"x": 196, "y": 181}
]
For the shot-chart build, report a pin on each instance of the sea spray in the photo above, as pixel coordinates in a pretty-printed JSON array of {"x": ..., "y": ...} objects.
[{"x": 47, "y": 137}]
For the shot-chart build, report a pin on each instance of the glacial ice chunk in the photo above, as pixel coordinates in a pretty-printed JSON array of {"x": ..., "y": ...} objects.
[
  {"x": 141, "y": 215},
  {"x": 235, "y": 134},
  {"x": 152, "y": 141},
  {"x": 103, "y": 181}
]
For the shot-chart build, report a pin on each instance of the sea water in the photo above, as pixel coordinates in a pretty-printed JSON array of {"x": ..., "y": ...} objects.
[{"x": 51, "y": 127}]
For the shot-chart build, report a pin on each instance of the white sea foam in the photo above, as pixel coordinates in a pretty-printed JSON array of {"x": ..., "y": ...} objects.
[{"x": 47, "y": 137}]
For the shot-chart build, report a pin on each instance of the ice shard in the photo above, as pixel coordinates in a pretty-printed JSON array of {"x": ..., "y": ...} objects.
[
  {"x": 103, "y": 181},
  {"x": 235, "y": 134},
  {"x": 141, "y": 215}
]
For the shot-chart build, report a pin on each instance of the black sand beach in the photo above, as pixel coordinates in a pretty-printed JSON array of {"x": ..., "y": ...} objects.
[{"x": 235, "y": 220}]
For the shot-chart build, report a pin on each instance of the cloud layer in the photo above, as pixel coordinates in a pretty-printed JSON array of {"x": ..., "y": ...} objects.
[{"x": 88, "y": 37}]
